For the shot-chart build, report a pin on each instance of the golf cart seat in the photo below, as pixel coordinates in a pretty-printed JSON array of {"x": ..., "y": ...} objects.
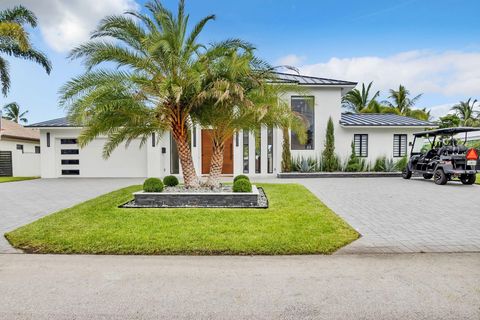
[{"x": 449, "y": 150}]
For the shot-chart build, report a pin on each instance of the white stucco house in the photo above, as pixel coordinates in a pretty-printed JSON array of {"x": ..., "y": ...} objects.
[
  {"x": 19, "y": 150},
  {"x": 375, "y": 135}
]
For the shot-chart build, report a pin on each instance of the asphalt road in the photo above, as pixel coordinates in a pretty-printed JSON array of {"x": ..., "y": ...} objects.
[{"x": 405, "y": 286}]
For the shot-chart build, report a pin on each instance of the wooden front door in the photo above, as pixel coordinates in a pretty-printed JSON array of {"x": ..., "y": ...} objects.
[{"x": 207, "y": 153}]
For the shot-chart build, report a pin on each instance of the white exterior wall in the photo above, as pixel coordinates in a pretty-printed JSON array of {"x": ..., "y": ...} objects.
[
  {"x": 125, "y": 161},
  {"x": 380, "y": 141},
  {"x": 26, "y": 163},
  {"x": 154, "y": 160}
]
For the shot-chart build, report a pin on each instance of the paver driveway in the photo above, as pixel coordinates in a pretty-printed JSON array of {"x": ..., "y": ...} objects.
[
  {"x": 396, "y": 215},
  {"x": 26, "y": 201}
]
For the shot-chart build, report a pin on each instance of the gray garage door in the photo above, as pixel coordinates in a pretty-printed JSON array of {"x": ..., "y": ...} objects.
[{"x": 5, "y": 163}]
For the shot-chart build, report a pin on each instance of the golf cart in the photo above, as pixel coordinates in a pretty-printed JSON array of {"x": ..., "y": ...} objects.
[{"x": 444, "y": 155}]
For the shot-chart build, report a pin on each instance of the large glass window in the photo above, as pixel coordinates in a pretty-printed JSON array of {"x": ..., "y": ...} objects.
[
  {"x": 174, "y": 159},
  {"x": 399, "y": 145},
  {"x": 245, "y": 151},
  {"x": 258, "y": 151},
  {"x": 270, "y": 150},
  {"x": 361, "y": 145},
  {"x": 303, "y": 106}
]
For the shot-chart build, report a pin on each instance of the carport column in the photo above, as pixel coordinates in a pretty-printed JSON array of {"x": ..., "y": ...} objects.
[
  {"x": 48, "y": 160},
  {"x": 154, "y": 157}
]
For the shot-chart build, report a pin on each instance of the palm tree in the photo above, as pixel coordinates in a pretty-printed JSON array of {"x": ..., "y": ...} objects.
[
  {"x": 356, "y": 100},
  {"x": 401, "y": 100},
  {"x": 14, "y": 41},
  {"x": 13, "y": 113},
  {"x": 158, "y": 83},
  {"x": 239, "y": 96},
  {"x": 465, "y": 110}
]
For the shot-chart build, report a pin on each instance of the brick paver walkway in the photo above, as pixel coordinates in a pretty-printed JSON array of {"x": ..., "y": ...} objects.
[
  {"x": 396, "y": 215},
  {"x": 26, "y": 201}
]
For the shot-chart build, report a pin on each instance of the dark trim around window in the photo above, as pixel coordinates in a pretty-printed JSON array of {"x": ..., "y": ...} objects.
[
  {"x": 362, "y": 141},
  {"x": 400, "y": 142}
]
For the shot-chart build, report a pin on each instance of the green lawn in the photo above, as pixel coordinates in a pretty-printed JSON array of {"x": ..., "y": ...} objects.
[
  {"x": 296, "y": 223},
  {"x": 478, "y": 178},
  {"x": 12, "y": 179}
]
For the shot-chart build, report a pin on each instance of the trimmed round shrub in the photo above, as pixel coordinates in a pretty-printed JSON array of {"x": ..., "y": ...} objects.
[
  {"x": 242, "y": 185},
  {"x": 241, "y": 176},
  {"x": 153, "y": 185},
  {"x": 170, "y": 181}
]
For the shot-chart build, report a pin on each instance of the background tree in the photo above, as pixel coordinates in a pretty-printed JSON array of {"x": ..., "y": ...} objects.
[
  {"x": 14, "y": 41},
  {"x": 12, "y": 112},
  {"x": 329, "y": 158},
  {"x": 449, "y": 121},
  {"x": 158, "y": 81},
  {"x": 404, "y": 104},
  {"x": 465, "y": 111},
  {"x": 357, "y": 100}
]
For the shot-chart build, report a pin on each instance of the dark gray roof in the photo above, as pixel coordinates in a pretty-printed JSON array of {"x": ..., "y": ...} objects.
[
  {"x": 312, "y": 81},
  {"x": 381, "y": 120},
  {"x": 60, "y": 122}
]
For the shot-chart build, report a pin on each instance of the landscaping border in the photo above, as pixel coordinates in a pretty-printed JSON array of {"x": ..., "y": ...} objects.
[
  {"x": 257, "y": 199},
  {"x": 295, "y": 175}
]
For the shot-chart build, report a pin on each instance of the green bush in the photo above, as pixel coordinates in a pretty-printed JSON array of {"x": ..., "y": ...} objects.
[
  {"x": 401, "y": 164},
  {"x": 242, "y": 185},
  {"x": 170, "y": 181},
  {"x": 240, "y": 176},
  {"x": 330, "y": 161},
  {"x": 379, "y": 165},
  {"x": 153, "y": 185}
]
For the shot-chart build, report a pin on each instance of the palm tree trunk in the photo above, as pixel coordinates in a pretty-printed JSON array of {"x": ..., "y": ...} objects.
[
  {"x": 286, "y": 154},
  {"x": 180, "y": 134},
  {"x": 216, "y": 163}
]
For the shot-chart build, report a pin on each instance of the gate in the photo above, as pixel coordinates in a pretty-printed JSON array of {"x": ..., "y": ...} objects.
[{"x": 6, "y": 164}]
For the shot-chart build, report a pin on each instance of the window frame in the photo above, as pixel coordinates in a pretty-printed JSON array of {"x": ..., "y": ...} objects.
[
  {"x": 246, "y": 151},
  {"x": 400, "y": 135},
  {"x": 293, "y": 136},
  {"x": 361, "y": 145}
]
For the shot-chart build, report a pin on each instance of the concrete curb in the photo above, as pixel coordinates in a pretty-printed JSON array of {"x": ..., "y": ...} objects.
[{"x": 296, "y": 175}]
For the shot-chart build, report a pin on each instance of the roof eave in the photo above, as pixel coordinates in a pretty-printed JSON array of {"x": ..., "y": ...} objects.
[{"x": 387, "y": 126}]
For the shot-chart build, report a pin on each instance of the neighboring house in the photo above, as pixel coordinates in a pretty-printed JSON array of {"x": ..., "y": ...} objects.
[
  {"x": 375, "y": 135},
  {"x": 19, "y": 150}
]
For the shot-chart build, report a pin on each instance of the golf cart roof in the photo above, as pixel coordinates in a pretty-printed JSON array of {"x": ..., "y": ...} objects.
[{"x": 445, "y": 131}]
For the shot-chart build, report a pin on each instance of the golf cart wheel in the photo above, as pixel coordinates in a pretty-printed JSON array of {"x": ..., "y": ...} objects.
[
  {"x": 468, "y": 179},
  {"x": 406, "y": 173},
  {"x": 427, "y": 176},
  {"x": 440, "y": 177}
]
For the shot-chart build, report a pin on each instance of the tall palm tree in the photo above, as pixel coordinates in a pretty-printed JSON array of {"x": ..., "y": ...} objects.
[
  {"x": 13, "y": 113},
  {"x": 356, "y": 100},
  {"x": 401, "y": 100},
  {"x": 240, "y": 96},
  {"x": 14, "y": 41},
  {"x": 158, "y": 83},
  {"x": 465, "y": 110}
]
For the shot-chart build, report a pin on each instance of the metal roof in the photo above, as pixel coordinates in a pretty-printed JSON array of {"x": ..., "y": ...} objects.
[
  {"x": 381, "y": 120},
  {"x": 446, "y": 131},
  {"x": 312, "y": 81},
  {"x": 59, "y": 122}
]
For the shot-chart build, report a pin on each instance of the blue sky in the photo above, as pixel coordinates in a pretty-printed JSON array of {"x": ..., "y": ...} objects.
[{"x": 433, "y": 47}]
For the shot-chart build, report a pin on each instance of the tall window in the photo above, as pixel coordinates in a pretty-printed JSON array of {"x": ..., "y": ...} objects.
[
  {"x": 174, "y": 160},
  {"x": 245, "y": 151},
  {"x": 360, "y": 142},
  {"x": 399, "y": 145},
  {"x": 258, "y": 151},
  {"x": 270, "y": 150},
  {"x": 304, "y": 107}
]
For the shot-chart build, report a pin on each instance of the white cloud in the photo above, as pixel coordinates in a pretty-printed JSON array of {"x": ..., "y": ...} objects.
[
  {"x": 441, "y": 110},
  {"x": 291, "y": 60},
  {"x": 65, "y": 24},
  {"x": 446, "y": 73}
]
